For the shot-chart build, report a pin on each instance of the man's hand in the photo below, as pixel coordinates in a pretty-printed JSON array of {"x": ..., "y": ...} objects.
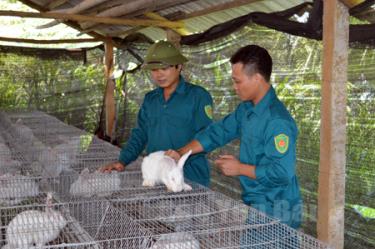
[
  {"x": 112, "y": 166},
  {"x": 174, "y": 154},
  {"x": 229, "y": 165}
]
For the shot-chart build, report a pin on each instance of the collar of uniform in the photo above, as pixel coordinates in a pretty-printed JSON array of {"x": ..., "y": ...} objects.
[
  {"x": 264, "y": 102},
  {"x": 181, "y": 87}
]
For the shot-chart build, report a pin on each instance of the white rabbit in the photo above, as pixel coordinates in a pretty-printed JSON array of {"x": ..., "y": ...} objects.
[
  {"x": 159, "y": 168},
  {"x": 15, "y": 188},
  {"x": 180, "y": 240},
  {"x": 96, "y": 183},
  {"x": 34, "y": 227}
]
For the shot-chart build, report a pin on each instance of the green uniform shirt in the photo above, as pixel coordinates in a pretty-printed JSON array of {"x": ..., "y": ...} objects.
[
  {"x": 267, "y": 134},
  {"x": 171, "y": 124}
]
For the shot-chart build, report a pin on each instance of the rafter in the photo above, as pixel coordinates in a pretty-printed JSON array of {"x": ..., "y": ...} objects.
[
  {"x": 134, "y": 8},
  {"x": 155, "y": 16},
  {"x": 68, "y": 23},
  {"x": 84, "y": 5},
  {"x": 216, "y": 8},
  {"x": 107, "y": 20},
  {"x": 34, "y": 41}
]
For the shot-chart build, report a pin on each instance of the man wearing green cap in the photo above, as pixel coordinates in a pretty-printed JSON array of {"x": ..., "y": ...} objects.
[
  {"x": 170, "y": 115},
  {"x": 266, "y": 166}
]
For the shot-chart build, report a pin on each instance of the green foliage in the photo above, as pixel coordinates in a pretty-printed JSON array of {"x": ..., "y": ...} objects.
[{"x": 65, "y": 88}]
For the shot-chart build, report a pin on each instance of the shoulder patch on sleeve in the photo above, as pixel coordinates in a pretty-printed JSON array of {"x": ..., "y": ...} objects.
[
  {"x": 208, "y": 111},
  {"x": 281, "y": 143}
]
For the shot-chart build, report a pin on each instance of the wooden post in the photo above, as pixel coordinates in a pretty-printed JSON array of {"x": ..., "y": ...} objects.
[
  {"x": 331, "y": 192},
  {"x": 110, "y": 89}
]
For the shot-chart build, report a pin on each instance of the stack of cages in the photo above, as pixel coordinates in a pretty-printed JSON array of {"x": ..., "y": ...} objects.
[
  {"x": 55, "y": 198},
  {"x": 200, "y": 220}
]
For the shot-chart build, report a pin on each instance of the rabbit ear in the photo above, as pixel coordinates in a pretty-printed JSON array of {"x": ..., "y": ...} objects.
[{"x": 182, "y": 160}]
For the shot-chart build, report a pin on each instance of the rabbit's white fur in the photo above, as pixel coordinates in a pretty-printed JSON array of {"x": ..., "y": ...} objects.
[
  {"x": 159, "y": 168},
  {"x": 34, "y": 227},
  {"x": 181, "y": 240},
  {"x": 15, "y": 188},
  {"x": 96, "y": 183}
]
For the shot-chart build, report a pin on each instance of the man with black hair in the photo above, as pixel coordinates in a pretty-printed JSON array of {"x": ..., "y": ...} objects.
[
  {"x": 267, "y": 133},
  {"x": 170, "y": 115}
]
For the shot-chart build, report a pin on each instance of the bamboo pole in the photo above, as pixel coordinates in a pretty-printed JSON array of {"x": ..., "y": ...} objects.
[
  {"x": 84, "y": 5},
  {"x": 34, "y": 41},
  {"x": 155, "y": 16},
  {"x": 128, "y": 8},
  {"x": 213, "y": 9},
  {"x": 106, "y": 20},
  {"x": 331, "y": 190}
]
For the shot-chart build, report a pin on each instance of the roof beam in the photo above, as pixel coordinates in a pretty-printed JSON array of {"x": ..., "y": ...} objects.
[
  {"x": 69, "y": 23},
  {"x": 134, "y": 7},
  {"x": 34, "y": 41},
  {"x": 219, "y": 7},
  {"x": 155, "y": 16},
  {"x": 84, "y": 5},
  {"x": 107, "y": 20}
]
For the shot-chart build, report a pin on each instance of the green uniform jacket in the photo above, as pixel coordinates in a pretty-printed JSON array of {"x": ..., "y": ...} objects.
[
  {"x": 171, "y": 124},
  {"x": 267, "y": 134}
]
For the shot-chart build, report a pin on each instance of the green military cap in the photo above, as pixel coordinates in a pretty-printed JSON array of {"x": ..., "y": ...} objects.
[{"x": 163, "y": 54}]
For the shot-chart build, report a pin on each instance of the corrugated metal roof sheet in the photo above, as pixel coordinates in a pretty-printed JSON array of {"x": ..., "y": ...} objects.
[{"x": 192, "y": 25}]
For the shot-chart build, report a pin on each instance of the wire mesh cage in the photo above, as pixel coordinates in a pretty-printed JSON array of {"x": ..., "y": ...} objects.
[
  {"x": 210, "y": 220},
  {"x": 17, "y": 189},
  {"x": 133, "y": 223},
  {"x": 33, "y": 226},
  {"x": 101, "y": 210},
  {"x": 69, "y": 225}
]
